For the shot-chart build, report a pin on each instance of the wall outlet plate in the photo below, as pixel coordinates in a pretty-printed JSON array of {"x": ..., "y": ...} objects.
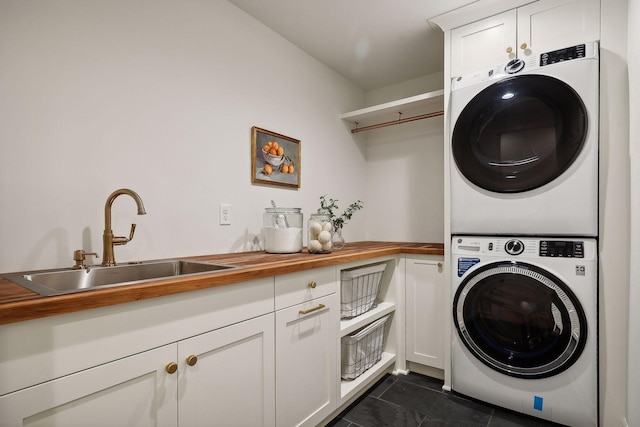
[{"x": 225, "y": 214}]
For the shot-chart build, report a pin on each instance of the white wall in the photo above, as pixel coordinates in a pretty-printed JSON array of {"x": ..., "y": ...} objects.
[
  {"x": 633, "y": 377},
  {"x": 405, "y": 173},
  {"x": 158, "y": 96},
  {"x": 614, "y": 212},
  {"x": 405, "y": 182}
]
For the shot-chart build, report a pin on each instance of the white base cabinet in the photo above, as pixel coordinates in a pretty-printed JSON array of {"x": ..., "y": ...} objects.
[
  {"x": 388, "y": 296},
  {"x": 306, "y": 362},
  {"x": 226, "y": 377},
  {"x": 134, "y": 391},
  {"x": 222, "y": 378},
  {"x": 260, "y": 353},
  {"x": 426, "y": 310}
]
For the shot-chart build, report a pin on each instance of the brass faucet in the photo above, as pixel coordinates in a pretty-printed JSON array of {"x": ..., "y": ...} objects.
[{"x": 108, "y": 239}]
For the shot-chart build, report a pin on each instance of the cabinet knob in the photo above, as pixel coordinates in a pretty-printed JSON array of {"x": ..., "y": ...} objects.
[
  {"x": 509, "y": 49},
  {"x": 440, "y": 265},
  {"x": 313, "y": 285},
  {"x": 523, "y": 46},
  {"x": 192, "y": 360},
  {"x": 171, "y": 368}
]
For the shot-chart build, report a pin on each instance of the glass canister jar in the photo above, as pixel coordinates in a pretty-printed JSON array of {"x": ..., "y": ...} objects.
[
  {"x": 282, "y": 230},
  {"x": 320, "y": 232}
]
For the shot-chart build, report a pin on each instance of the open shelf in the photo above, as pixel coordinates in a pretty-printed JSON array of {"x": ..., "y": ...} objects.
[
  {"x": 349, "y": 325},
  {"x": 349, "y": 388},
  {"x": 430, "y": 104}
]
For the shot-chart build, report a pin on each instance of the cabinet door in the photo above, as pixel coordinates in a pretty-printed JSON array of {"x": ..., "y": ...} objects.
[
  {"x": 306, "y": 362},
  {"x": 226, "y": 377},
  {"x": 426, "y": 311},
  {"x": 483, "y": 44},
  {"x": 547, "y": 25},
  {"x": 133, "y": 391}
]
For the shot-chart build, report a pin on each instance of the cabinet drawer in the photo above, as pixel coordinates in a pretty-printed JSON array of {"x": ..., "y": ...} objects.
[{"x": 296, "y": 288}]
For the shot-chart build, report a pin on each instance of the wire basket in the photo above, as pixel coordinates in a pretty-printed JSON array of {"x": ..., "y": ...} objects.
[
  {"x": 359, "y": 289},
  {"x": 362, "y": 349}
]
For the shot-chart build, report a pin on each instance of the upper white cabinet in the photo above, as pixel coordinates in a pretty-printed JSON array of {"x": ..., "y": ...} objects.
[
  {"x": 483, "y": 43},
  {"x": 462, "y": 12},
  {"x": 523, "y": 32}
]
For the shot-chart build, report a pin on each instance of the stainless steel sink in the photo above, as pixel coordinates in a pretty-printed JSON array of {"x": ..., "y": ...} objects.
[{"x": 65, "y": 281}]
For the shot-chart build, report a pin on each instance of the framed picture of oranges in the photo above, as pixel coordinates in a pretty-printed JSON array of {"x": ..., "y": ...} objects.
[{"x": 275, "y": 158}]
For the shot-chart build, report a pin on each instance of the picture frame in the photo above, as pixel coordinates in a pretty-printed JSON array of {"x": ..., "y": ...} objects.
[{"x": 275, "y": 158}]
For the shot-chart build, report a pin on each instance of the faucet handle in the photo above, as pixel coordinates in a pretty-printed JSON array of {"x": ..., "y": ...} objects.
[
  {"x": 121, "y": 240},
  {"x": 133, "y": 230},
  {"x": 79, "y": 256}
]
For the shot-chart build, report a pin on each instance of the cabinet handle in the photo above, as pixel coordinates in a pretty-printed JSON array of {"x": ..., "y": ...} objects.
[
  {"x": 313, "y": 285},
  {"x": 440, "y": 265},
  {"x": 171, "y": 368},
  {"x": 319, "y": 307},
  {"x": 509, "y": 49},
  {"x": 523, "y": 46},
  {"x": 192, "y": 360}
]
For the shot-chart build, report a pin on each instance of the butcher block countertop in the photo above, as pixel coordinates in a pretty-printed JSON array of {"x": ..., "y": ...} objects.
[{"x": 18, "y": 303}]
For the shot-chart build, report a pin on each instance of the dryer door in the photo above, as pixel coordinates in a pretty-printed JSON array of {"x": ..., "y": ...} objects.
[
  {"x": 519, "y": 134},
  {"x": 520, "y": 320}
]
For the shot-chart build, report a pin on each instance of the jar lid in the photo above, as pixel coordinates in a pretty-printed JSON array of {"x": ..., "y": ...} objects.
[{"x": 282, "y": 210}]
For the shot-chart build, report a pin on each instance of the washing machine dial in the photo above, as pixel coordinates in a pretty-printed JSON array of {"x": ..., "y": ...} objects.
[
  {"x": 514, "y": 247},
  {"x": 514, "y": 66}
]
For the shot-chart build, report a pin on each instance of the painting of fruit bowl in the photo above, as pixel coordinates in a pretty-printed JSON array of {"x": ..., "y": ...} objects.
[
  {"x": 272, "y": 159},
  {"x": 275, "y": 158}
]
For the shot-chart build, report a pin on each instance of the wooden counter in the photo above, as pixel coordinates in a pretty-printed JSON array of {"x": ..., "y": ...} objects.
[{"x": 18, "y": 303}]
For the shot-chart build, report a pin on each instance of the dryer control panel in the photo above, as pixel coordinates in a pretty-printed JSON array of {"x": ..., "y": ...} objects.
[{"x": 560, "y": 55}]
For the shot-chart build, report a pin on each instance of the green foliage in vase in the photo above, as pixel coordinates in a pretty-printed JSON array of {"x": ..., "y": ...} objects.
[{"x": 330, "y": 207}]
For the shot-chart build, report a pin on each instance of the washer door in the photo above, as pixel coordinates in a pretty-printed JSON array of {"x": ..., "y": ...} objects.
[
  {"x": 519, "y": 134},
  {"x": 520, "y": 320}
]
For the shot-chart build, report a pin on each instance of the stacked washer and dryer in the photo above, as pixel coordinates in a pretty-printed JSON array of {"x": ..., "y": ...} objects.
[{"x": 524, "y": 225}]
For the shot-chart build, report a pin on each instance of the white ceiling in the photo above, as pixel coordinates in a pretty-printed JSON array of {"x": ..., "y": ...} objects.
[{"x": 373, "y": 43}]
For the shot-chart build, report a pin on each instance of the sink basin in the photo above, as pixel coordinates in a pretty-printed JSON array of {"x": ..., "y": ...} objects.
[{"x": 65, "y": 281}]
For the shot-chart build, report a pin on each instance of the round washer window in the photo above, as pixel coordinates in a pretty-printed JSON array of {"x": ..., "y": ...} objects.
[
  {"x": 520, "y": 320},
  {"x": 519, "y": 134}
]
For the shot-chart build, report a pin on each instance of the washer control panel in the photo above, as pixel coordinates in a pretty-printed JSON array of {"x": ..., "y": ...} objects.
[{"x": 562, "y": 249}]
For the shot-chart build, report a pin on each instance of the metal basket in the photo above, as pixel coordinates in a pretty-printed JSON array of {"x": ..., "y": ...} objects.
[
  {"x": 359, "y": 289},
  {"x": 362, "y": 349}
]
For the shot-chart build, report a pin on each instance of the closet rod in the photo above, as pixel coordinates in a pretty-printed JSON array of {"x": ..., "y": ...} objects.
[{"x": 397, "y": 122}]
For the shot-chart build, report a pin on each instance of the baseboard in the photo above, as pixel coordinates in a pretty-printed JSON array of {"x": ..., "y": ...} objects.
[{"x": 425, "y": 370}]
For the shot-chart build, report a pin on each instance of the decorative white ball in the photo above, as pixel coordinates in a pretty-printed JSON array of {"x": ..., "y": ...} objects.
[
  {"x": 324, "y": 237},
  {"x": 315, "y": 246},
  {"x": 326, "y": 246},
  {"x": 326, "y": 226},
  {"x": 315, "y": 228}
]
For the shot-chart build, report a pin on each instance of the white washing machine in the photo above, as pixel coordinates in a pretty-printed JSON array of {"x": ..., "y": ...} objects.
[
  {"x": 525, "y": 314},
  {"x": 524, "y": 146}
]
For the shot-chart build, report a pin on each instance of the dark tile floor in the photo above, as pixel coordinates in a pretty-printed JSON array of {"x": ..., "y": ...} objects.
[{"x": 417, "y": 400}]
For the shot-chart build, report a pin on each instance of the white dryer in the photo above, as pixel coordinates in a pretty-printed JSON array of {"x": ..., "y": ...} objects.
[
  {"x": 524, "y": 146},
  {"x": 525, "y": 314}
]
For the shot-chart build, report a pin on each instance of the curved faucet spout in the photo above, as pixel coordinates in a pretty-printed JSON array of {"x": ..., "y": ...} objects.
[{"x": 108, "y": 239}]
